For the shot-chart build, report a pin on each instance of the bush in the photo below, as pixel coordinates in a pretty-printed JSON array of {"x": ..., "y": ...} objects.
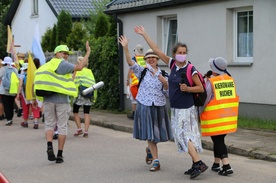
[
  {"x": 46, "y": 40},
  {"x": 104, "y": 63},
  {"x": 64, "y": 27},
  {"x": 77, "y": 37}
]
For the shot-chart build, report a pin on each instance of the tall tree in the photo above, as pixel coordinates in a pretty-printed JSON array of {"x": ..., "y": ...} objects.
[
  {"x": 99, "y": 7},
  {"x": 54, "y": 42},
  {"x": 77, "y": 37},
  {"x": 102, "y": 27},
  {"x": 46, "y": 40},
  {"x": 64, "y": 26},
  {"x": 4, "y": 6}
]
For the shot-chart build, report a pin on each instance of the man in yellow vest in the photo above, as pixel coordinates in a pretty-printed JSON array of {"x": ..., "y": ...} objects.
[
  {"x": 54, "y": 84},
  {"x": 132, "y": 80},
  {"x": 220, "y": 112}
]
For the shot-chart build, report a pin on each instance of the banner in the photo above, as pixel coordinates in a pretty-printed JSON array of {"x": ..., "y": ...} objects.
[
  {"x": 30, "y": 77},
  {"x": 36, "y": 47},
  {"x": 10, "y": 46}
]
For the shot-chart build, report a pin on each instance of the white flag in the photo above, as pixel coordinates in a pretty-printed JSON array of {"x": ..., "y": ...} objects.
[{"x": 36, "y": 47}]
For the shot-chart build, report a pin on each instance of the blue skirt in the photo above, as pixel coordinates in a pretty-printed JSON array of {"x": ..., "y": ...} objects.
[{"x": 152, "y": 123}]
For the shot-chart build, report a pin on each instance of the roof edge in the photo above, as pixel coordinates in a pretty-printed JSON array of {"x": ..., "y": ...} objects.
[
  {"x": 11, "y": 12},
  {"x": 52, "y": 7},
  {"x": 148, "y": 6}
]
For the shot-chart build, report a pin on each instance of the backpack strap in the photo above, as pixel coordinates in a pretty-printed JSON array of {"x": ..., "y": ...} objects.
[
  {"x": 143, "y": 73},
  {"x": 189, "y": 74},
  {"x": 172, "y": 64},
  {"x": 164, "y": 73}
]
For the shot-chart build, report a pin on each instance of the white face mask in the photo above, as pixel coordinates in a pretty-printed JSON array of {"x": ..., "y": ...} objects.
[{"x": 180, "y": 58}]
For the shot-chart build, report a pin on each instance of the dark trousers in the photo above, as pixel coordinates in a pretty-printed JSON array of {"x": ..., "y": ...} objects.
[
  {"x": 8, "y": 103},
  {"x": 220, "y": 149}
]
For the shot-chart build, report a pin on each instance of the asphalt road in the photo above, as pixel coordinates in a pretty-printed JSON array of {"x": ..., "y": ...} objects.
[{"x": 110, "y": 156}]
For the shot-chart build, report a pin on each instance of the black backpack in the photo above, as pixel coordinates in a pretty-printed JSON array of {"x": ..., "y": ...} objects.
[{"x": 164, "y": 74}]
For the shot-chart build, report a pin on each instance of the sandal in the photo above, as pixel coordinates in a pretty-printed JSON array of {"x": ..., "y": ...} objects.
[
  {"x": 149, "y": 156},
  {"x": 155, "y": 166},
  {"x": 79, "y": 132}
]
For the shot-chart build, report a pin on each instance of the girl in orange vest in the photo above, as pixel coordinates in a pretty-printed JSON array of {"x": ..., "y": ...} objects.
[{"x": 220, "y": 113}]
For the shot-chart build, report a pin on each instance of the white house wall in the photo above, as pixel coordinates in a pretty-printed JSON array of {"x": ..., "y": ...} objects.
[
  {"x": 205, "y": 28},
  {"x": 23, "y": 24}
]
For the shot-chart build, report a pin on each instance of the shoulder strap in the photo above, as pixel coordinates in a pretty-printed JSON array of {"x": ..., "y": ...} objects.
[
  {"x": 143, "y": 73},
  {"x": 172, "y": 64},
  {"x": 189, "y": 74},
  {"x": 164, "y": 73}
]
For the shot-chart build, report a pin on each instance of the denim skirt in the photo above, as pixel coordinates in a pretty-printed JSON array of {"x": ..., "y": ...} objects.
[{"x": 152, "y": 123}]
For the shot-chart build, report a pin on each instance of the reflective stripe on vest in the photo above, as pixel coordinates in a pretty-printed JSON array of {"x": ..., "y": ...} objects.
[
  {"x": 220, "y": 116},
  {"x": 47, "y": 79},
  {"x": 134, "y": 80},
  {"x": 85, "y": 78}
]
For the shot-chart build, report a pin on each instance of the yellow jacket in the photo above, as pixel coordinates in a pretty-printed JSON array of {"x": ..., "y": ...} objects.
[{"x": 48, "y": 80}]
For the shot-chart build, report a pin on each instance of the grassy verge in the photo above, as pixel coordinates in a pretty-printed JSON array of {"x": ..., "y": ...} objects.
[
  {"x": 243, "y": 122},
  {"x": 257, "y": 124}
]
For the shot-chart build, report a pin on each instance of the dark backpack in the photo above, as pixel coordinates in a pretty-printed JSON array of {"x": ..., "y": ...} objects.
[
  {"x": 164, "y": 74},
  {"x": 88, "y": 95},
  {"x": 199, "y": 98}
]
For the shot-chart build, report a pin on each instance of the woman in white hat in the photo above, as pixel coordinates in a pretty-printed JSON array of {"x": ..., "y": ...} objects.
[
  {"x": 151, "y": 121},
  {"x": 221, "y": 106},
  {"x": 7, "y": 97}
]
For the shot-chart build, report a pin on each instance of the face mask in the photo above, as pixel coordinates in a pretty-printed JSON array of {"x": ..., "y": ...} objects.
[{"x": 180, "y": 58}]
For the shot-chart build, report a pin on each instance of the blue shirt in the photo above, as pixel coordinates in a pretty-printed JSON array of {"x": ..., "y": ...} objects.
[
  {"x": 151, "y": 89},
  {"x": 179, "y": 99}
]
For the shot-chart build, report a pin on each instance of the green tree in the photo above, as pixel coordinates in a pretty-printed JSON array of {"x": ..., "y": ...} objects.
[
  {"x": 53, "y": 42},
  {"x": 64, "y": 26},
  {"x": 77, "y": 37},
  {"x": 99, "y": 7},
  {"x": 46, "y": 40},
  {"x": 103, "y": 61},
  {"x": 4, "y": 7},
  {"x": 102, "y": 26}
]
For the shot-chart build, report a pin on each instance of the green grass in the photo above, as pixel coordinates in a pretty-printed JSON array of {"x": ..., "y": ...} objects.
[
  {"x": 257, "y": 124},
  {"x": 243, "y": 122}
]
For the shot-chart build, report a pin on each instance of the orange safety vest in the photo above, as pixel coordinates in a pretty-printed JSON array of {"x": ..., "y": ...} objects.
[
  {"x": 134, "y": 80},
  {"x": 220, "y": 115}
]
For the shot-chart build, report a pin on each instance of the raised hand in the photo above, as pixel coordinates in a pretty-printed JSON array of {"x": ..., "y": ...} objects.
[
  {"x": 123, "y": 40},
  {"x": 139, "y": 30},
  {"x": 88, "y": 49}
]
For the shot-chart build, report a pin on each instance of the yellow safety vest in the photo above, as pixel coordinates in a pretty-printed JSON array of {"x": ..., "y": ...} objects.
[
  {"x": 86, "y": 78},
  {"x": 141, "y": 61},
  {"x": 47, "y": 79},
  {"x": 220, "y": 115}
]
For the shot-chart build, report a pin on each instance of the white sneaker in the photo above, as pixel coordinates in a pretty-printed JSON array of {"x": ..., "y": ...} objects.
[{"x": 8, "y": 123}]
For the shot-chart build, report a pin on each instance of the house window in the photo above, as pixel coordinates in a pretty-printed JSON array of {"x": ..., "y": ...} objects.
[
  {"x": 35, "y": 7},
  {"x": 170, "y": 34},
  {"x": 243, "y": 36}
]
